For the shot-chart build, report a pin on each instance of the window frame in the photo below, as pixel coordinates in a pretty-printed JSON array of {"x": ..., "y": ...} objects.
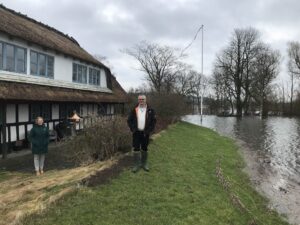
[
  {"x": 2, "y": 55},
  {"x": 82, "y": 68},
  {"x": 46, "y": 65},
  {"x": 94, "y": 75},
  {"x": 15, "y": 58}
]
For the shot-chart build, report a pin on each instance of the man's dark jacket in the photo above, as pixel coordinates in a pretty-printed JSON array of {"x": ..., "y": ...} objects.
[{"x": 150, "y": 120}]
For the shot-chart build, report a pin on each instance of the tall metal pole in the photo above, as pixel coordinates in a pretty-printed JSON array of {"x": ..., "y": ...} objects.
[{"x": 201, "y": 100}]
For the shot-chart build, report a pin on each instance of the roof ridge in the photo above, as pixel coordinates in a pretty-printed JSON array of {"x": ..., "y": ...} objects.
[{"x": 39, "y": 23}]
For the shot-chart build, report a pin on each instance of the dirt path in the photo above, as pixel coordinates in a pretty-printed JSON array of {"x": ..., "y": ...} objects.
[{"x": 22, "y": 193}]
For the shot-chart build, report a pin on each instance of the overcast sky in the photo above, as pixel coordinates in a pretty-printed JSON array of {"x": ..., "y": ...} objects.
[{"x": 105, "y": 27}]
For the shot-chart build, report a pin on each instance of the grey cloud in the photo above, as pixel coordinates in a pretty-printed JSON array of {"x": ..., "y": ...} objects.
[{"x": 174, "y": 22}]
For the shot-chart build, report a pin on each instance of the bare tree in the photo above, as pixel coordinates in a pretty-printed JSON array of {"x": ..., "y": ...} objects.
[
  {"x": 104, "y": 60},
  {"x": 185, "y": 80},
  {"x": 199, "y": 87},
  {"x": 282, "y": 90},
  {"x": 292, "y": 84},
  {"x": 293, "y": 67},
  {"x": 266, "y": 68},
  {"x": 236, "y": 65},
  {"x": 245, "y": 69},
  {"x": 223, "y": 90},
  {"x": 160, "y": 63},
  {"x": 294, "y": 57}
]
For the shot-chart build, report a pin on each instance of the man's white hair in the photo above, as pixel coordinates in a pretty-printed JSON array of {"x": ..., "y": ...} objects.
[{"x": 144, "y": 96}]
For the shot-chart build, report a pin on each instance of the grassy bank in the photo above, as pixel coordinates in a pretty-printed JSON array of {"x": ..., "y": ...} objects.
[
  {"x": 196, "y": 178},
  {"x": 23, "y": 193}
]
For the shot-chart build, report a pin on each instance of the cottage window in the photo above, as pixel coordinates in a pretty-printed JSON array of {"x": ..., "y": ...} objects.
[
  {"x": 46, "y": 111},
  {"x": 94, "y": 77},
  {"x": 35, "y": 111},
  {"x": 62, "y": 111},
  {"x": 43, "y": 110},
  {"x": 66, "y": 110},
  {"x": 79, "y": 73},
  {"x": 12, "y": 58},
  {"x": 33, "y": 63},
  {"x": 20, "y": 60},
  {"x": 50, "y": 66},
  {"x": 102, "y": 109},
  {"x": 41, "y": 64}
]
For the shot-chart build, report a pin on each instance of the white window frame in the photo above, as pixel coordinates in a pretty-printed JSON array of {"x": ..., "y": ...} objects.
[
  {"x": 97, "y": 77},
  {"x": 47, "y": 57},
  {"x": 76, "y": 80},
  {"x": 15, "y": 47}
]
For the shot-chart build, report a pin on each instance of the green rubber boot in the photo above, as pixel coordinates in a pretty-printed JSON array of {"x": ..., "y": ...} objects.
[
  {"x": 137, "y": 161},
  {"x": 144, "y": 161}
]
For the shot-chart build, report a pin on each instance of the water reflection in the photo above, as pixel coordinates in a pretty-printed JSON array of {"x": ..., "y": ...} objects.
[{"x": 276, "y": 140}]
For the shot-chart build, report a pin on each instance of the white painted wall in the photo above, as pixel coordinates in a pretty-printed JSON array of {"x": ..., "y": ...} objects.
[
  {"x": 112, "y": 109},
  {"x": 103, "y": 78},
  {"x": 50, "y": 126},
  {"x": 23, "y": 112},
  {"x": 55, "y": 111},
  {"x": 11, "y": 113},
  {"x": 108, "y": 109},
  {"x": 29, "y": 126},
  {"x": 13, "y": 133},
  {"x": 63, "y": 69},
  {"x": 21, "y": 132},
  {"x": 84, "y": 110},
  {"x": 6, "y": 134}
]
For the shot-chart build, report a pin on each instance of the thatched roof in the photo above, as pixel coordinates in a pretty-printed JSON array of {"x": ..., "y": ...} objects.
[
  {"x": 14, "y": 91},
  {"x": 18, "y": 25}
]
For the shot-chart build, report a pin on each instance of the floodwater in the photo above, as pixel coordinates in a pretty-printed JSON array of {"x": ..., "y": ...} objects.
[{"x": 271, "y": 149}]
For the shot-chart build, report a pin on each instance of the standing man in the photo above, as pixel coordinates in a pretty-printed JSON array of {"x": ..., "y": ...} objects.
[{"x": 141, "y": 122}]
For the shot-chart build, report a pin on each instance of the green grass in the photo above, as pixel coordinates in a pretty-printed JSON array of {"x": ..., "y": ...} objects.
[
  {"x": 3, "y": 176},
  {"x": 181, "y": 188}
]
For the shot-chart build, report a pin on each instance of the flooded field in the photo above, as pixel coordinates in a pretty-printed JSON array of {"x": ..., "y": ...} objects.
[{"x": 271, "y": 148}]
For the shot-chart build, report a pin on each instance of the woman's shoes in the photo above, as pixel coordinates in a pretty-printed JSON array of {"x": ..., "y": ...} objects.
[{"x": 38, "y": 173}]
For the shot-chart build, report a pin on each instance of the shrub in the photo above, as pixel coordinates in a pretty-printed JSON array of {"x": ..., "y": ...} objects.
[
  {"x": 169, "y": 106},
  {"x": 99, "y": 141}
]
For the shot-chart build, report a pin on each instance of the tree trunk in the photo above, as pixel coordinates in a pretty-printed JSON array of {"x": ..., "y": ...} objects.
[
  {"x": 292, "y": 91},
  {"x": 239, "y": 106}
]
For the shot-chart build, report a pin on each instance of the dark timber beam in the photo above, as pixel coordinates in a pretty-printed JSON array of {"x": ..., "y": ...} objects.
[{"x": 3, "y": 122}]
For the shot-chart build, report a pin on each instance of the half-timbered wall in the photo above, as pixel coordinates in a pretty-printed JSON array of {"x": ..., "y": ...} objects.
[{"x": 19, "y": 119}]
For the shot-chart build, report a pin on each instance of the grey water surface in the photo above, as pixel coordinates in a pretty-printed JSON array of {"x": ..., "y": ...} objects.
[{"x": 275, "y": 139}]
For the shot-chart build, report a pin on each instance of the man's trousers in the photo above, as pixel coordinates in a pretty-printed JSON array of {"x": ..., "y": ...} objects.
[{"x": 140, "y": 140}]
